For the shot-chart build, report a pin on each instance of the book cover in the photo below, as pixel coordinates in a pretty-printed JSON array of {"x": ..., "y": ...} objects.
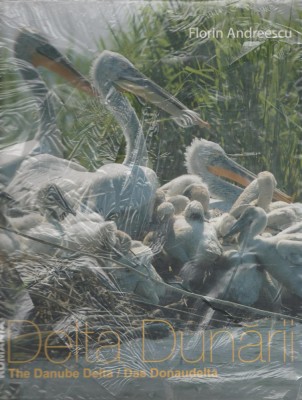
[{"x": 150, "y": 215}]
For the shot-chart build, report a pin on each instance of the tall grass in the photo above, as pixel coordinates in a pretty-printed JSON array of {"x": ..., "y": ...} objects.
[{"x": 247, "y": 89}]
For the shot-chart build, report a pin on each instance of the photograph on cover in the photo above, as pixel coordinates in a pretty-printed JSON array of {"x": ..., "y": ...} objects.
[{"x": 150, "y": 200}]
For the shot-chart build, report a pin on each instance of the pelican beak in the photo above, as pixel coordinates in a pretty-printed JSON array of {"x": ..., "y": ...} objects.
[
  {"x": 281, "y": 196},
  {"x": 138, "y": 84},
  {"x": 226, "y": 168},
  {"x": 49, "y": 57}
]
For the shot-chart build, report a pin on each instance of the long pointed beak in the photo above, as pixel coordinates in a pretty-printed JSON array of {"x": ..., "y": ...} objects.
[
  {"x": 142, "y": 87},
  {"x": 49, "y": 57},
  {"x": 229, "y": 169}
]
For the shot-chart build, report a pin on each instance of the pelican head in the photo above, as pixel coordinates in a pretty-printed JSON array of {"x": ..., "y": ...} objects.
[
  {"x": 209, "y": 160},
  {"x": 52, "y": 202},
  {"x": 260, "y": 191},
  {"x": 266, "y": 186},
  {"x": 165, "y": 211},
  {"x": 36, "y": 50},
  {"x": 251, "y": 222},
  {"x": 110, "y": 68},
  {"x": 160, "y": 197},
  {"x": 194, "y": 211},
  {"x": 123, "y": 242},
  {"x": 198, "y": 192},
  {"x": 114, "y": 69},
  {"x": 179, "y": 202}
]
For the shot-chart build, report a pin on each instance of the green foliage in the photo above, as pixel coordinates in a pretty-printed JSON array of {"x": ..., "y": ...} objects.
[{"x": 247, "y": 91}]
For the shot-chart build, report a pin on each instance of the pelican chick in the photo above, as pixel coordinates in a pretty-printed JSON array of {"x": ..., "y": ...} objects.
[
  {"x": 200, "y": 193},
  {"x": 178, "y": 185},
  {"x": 191, "y": 187},
  {"x": 164, "y": 215},
  {"x": 284, "y": 216},
  {"x": 179, "y": 202},
  {"x": 280, "y": 255},
  {"x": 139, "y": 258},
  {"x": 192, "y": 239},
  {"x": 49, "y": 206},
  {"x": 259, "y": 192},
  {"x": 157, "y": 237},
  {"x": 232, "y": 279}
]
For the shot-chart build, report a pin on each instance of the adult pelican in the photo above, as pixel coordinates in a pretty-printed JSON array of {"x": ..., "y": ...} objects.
[
  {"x": 123, "y": 192},
  {"x": 32, "y": 50},
  {"x": 208, "y": 160},
  {"x": 280, "y": 255}
]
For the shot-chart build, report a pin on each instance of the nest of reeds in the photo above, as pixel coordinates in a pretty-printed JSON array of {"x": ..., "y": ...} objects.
[{"x": 68, "y": 296}]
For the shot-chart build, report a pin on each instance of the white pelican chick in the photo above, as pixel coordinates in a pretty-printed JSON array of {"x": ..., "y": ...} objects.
[
  {"x": 185, "y": 188},
  {"x": 48, "y": 206},
  {"x": 280, "y": 255},
  {"x": 284, "y": 216},
  {"x": 178, "y": 185},
  {"x": 200, "y": 193},
  {"x": 179, "y": 202},
  {"x": 192, "y": 239},
  {"x": 140, "y": 258},
  {"x": 259, "y": 193},
  {"x": 157, "y": 237}
]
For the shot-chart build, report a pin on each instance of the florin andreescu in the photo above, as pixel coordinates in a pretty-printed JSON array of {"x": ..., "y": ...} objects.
[{"x": 250, "y": 33}]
